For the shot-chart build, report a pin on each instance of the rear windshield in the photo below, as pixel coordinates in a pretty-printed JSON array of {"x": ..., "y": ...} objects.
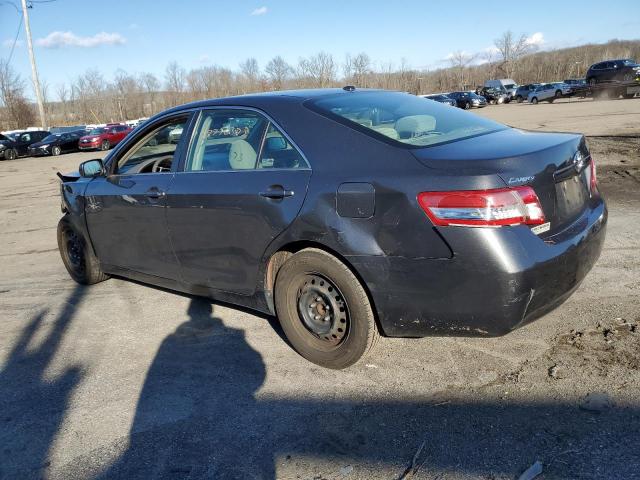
[{"x": 404, "y": 118}]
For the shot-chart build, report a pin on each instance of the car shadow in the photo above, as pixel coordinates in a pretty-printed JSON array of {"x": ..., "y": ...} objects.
[
  {"x": 199, "y": 416},
  {"x": 33, "y": 405}
]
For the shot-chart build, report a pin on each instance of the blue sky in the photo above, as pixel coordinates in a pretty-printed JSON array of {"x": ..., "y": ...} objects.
[{"x": 72, "y": 36}]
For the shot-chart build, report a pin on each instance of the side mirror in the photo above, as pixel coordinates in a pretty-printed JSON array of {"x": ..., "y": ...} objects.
[
  {"x": 91, "y": 168},
  {"x": 275, "y": 143}
]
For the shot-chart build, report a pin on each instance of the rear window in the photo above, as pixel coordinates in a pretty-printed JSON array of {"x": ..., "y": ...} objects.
[{"x": 403, "y": 118}]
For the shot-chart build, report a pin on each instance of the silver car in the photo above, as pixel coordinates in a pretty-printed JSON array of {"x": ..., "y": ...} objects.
[{"x": 548, "y": 92}]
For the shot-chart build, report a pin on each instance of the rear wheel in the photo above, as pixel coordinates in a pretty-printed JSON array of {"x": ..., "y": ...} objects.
[
  {"x": 105, "y": 145},
  {"x": 324, "y": 310},
  {"x": 467, "y": 105},
  {"x": 519, "y": 99},
  {"x": 558, "y": 93},
  {"x": 55, "y": 151},
  {"x": 10, "y": 154},
  {"x": 78, "y": 258},
  {"x": 534, "y": 100}
]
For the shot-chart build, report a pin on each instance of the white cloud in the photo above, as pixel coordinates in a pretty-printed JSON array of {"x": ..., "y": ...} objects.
[
  {"x": 9, "y": 43},
  {"x": 69, "y": 39},
  {"x": 260, "y": 11},
  {"x": 204, "y": 58},
  {"x": 535, "y": 40}
]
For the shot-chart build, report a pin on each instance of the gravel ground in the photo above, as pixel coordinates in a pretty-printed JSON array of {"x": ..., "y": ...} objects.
[{"x": 121, "y": 380}]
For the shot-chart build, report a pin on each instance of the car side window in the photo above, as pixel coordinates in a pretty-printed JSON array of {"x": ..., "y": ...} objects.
[
  {"x": 155, "y": 151},
  {"x": 278, "y": 152},
  {"x": 25, "y": 137},
  {"x": 226, "y": 140}
]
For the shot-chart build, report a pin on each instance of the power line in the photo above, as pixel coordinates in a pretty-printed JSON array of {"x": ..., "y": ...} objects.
[{"x": 15, "y": 40}]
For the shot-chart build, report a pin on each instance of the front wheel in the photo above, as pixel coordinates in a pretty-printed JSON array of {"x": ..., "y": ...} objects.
[
  {"x": 558, "y": 93},
  {"x": 105, "y": 145},
  {"x": 55, "y": 151},
  {"x": 77, "y": 257},
  {"x": 467, "y": 105},
  {"x": 324, "y": 310},
  {"x": 519, "y": 99},
  {"x": 534, "y": 100}
]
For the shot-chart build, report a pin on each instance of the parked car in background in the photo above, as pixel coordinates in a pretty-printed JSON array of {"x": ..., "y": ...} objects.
[
  {"x": 175, "y": 134},
  {"x": 467, "y": 100},
  {"x": 494, "y": 96},
  {"x": 619, "y": 77},
  {"x": 440, "y": 98},
  {"x": 56, "y": 143},
  {"x": 613, "y": 71},
  {"x": 522, "y": 92},
  {"x": 548, "y": 92},
  {"x": 75, "y": 128},
  {"x": 103, "y": 138},
  {"x": 508, "y": 85},
  {"x": 461, "y": 224},
  {"x": 17, "y": 144},
  {"x": 577, "y": 86}
]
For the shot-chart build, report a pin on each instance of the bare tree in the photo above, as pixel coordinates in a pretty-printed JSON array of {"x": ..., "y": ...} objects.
[
  {"x": 511, "y": 49},
  {"x": 357, "y": 69},
  {"x": 318, "y": 70},
  {"x": 175, "y": 82},
  {"x": 250, "y": 72},
  {"x": 278, "y": 72},
  {"x": 459, "y": 61},
  {"x": 19, "y": 111}
]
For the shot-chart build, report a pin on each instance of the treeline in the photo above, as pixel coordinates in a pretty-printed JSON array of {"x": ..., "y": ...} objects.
[{"x": 91, "y": 98}]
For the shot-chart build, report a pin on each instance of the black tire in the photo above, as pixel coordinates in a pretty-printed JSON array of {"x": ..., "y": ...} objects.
[
  {"x": 10, "y": 154},
  {"x": 592, "y": 81},
  {"x": 105, "y": 145},
  {"x": 628, "y": 95},
  {"x": 77, "y": 256},
  {"x": 519, "y": 99},
  {"x": 534, "y": 100},
  {"x": 467, "y": 105},
  {"x": 347, "y": 332},
  {"x": 56, "y": 150},
  {"x": 558, "y": 93}
]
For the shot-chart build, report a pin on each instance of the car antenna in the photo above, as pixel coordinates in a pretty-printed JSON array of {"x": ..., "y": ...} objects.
[{"x": 349, "y": 88}]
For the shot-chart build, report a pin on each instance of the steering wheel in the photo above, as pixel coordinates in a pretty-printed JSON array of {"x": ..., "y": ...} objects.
[{"x": 161, "y": 165}]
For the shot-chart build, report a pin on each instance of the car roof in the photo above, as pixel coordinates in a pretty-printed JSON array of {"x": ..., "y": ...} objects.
[{"x": 265, "y": 98}]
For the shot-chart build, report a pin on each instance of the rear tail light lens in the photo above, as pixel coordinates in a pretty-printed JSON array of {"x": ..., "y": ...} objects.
[
  {"x": 593, "y": 179},
  {"x": 483, "y": 208}
]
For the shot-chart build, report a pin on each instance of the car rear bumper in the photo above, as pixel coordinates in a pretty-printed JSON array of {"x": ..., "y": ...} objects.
[{"x": 498, "y": 279}]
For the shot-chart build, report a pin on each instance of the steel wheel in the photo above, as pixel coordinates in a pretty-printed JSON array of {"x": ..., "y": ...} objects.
[
  {"x": 74, "y": 252},
  {"x": 55, "y": 151},
  {"x": 322, "y": 309},
  {"x": 104, "y": 145},
  {"x": 10, "y": 154}
]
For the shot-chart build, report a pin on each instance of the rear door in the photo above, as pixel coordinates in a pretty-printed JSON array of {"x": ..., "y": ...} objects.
[
  {"x": 125, "y": 209},
  {"x": 243, "y": 182}
]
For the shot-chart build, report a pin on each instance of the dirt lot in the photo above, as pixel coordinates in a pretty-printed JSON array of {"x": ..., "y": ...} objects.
[{"x": 125, "y": 381}]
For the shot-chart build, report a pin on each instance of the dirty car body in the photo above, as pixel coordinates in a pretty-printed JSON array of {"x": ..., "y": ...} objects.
[{"x": 416, "y": 200}]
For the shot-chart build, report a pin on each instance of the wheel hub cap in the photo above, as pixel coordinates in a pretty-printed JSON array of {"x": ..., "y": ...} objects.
[{"x": 322, "y": 309}]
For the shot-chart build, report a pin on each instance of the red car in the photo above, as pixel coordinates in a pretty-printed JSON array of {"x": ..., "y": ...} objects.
[{"x": 103, "y": 138}]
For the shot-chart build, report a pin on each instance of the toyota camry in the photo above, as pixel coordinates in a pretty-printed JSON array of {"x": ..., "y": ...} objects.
[{"x": 346, "y": 213}]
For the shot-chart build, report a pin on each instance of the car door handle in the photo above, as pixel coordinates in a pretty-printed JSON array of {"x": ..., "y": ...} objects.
[
  {"x": 154, "y": 193},
  {"x": 276, "y": 192}
]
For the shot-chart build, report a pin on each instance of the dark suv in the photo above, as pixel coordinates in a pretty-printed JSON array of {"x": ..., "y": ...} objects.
[
  {"x": 613, "y": 71},
  {"x": 16, "y": 145}
]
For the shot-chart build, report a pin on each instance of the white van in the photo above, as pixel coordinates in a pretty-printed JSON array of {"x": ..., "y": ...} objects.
[{"x": 503, "y": 84}]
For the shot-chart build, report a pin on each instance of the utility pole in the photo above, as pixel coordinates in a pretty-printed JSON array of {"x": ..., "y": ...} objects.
[{"x": 34, "y": 70}]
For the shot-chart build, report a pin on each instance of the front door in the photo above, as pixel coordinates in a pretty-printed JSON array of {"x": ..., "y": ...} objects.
[
  {"x": 242, "y": 184},
  {"x": 126, "y": 208}
]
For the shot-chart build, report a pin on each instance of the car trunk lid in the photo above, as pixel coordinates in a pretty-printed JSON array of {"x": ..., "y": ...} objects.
[{"x": 548, "y": 162}]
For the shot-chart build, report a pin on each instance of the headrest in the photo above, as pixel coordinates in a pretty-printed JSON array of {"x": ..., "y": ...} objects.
[{"x": 242, "y": 156}]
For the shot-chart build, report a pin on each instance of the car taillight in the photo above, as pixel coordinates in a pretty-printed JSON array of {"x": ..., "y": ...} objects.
[
  {"x": 593, "y": 180},
  {"x": 483, "y": 208}
]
